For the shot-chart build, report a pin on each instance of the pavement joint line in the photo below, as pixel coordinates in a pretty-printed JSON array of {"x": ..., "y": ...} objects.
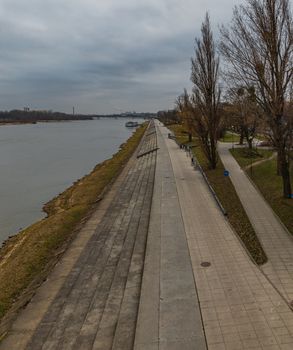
[{"x": 194, "y": 279}]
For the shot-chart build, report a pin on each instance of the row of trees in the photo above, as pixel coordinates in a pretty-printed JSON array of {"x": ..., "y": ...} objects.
[
  {"x": 34, "y": 116},
  {"x": 257, "y": 50}
]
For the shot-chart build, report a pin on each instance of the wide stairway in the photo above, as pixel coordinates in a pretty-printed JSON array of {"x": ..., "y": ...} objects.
[{"x": 97, "y": 306}]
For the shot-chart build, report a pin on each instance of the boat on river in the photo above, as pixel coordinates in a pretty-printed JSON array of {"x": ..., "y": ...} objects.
[{"x": 131, "y": 124}]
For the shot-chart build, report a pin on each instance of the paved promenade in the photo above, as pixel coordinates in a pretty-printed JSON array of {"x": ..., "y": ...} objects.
[
  {"x": 169, "y": 315},
  {"x": 240, "y": 307},
  {"x": 276, "y": 241},
  {"x": 157, "y": 267}
]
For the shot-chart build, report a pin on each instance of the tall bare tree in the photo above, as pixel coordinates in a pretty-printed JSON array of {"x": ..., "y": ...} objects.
[
  {"x": 258, "y": 47},
  {"x": 246, "y": 112},
  {"x": 206, "y": 92},
  {"x": 184, "y": 110}
]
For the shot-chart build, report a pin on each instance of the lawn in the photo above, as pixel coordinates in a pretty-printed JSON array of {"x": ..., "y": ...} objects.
[
  {"x": 246, "y": 157},
  {"x": 228, "y": 197},
  {"x": 230, "y": 137},
  {"x": 270, "y": 185}
]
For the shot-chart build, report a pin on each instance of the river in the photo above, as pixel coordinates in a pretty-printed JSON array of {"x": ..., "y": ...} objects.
[{"x": 38, "y": 161}]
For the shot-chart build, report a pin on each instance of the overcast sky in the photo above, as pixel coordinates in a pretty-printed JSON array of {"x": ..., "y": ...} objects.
[{"x": 101, "y": 56}]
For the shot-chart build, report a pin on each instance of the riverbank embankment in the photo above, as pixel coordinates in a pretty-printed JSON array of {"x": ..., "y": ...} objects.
[{"x": 27, "y": 258}]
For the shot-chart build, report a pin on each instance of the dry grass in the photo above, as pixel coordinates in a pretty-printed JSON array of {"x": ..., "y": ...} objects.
[
  {"x": 265, "y": 176},
  {"x": 271, "y": 186},
  {"x": 230, "y": 137},
  {"x": 26, "y": 256},
  {"x": 246, "y": 157}
]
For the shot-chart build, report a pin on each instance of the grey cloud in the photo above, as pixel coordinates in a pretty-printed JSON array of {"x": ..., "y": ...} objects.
[{"x": 103, "y": 55}]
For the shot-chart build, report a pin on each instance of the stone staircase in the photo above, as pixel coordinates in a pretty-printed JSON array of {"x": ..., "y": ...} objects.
[
  {"x": 97, "y": 306},
  {"x": 150, "y": 141}
]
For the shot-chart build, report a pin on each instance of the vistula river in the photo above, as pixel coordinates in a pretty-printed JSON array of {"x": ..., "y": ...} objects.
[{"x": 38, "y": 161}]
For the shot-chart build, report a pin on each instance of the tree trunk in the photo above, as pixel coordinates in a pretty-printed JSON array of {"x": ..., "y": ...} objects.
[
  {"x": 285, "y": 172},
  {"x": 213, "y": 151},
  {"x": 189, "y": 137},
  {"x": 279, "y": 165},
  {"x": 241, "y": 137},
  {"x": 249, "y": 141}
]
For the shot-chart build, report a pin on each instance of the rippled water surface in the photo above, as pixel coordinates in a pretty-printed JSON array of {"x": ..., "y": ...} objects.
[{"x": 39, "y": 161}]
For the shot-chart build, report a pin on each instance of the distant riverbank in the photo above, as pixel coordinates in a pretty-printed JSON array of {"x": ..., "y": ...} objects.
[
  {"x": 16, "y": 123},
  {"x": 28, "y": 116}
]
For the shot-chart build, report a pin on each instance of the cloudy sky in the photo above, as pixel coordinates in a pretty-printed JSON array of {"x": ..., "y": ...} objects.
[{"x": 101, "y": 56}]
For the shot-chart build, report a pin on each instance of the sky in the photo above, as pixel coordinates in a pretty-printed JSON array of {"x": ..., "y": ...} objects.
[{"x": 100, "y": 56}]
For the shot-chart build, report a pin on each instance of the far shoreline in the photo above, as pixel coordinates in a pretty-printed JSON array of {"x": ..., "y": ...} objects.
[{"x": 41, "y": 121}]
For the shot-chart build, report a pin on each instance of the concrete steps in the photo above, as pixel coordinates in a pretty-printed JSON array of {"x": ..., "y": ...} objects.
[
  {"x": 150, "y": 141},
  {"x": 97, "y": 306},
  {"x": 124, "y": 339}
]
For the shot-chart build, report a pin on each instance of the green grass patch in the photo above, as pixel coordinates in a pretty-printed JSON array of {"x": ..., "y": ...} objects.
[
  {"x": 230, "y": 201},
  {"x": 230, "y": 137},
  {"x": 246, "y": 157},
  {"x": 271, "y": 187},
  {"x": 261, "y": 137},
  {"x": 269, "y": 184},
  {"x": 26, "y": 255}
]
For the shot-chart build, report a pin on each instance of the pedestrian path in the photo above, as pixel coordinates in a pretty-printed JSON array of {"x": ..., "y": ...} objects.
[
  {"x": 169, "y": 316},
  {"x": 240, "y": 308},
  {"x": 276, "y": 241}
]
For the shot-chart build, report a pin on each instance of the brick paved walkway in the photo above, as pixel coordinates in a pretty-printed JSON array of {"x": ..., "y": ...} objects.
[
  {"x": 169, "y": 316},
  {"x": 276, "y": 241},
  {"x": 240, "y": 307}
]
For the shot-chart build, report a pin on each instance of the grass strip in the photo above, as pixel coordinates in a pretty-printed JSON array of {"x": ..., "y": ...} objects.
[
  {"x": 246, "y": 157},
  {"x": 230, "y": 137},
  {"x": 264, "y": 175},
  {"x": 228, "y": 197},
  {"x": 25, "y": 256}
]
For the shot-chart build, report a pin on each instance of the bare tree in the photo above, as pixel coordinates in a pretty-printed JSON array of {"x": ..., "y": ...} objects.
[
  {"x": 168, "y": 117},
  {"x": 185, "y": 113},
  {"x": 206, "y": 92},
  {"x": 246, "y": 111},
  {"x": 258, "y": 47}
]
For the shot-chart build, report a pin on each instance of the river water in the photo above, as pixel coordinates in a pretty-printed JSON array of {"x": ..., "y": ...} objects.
[{"x": 38, "y": 161}]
